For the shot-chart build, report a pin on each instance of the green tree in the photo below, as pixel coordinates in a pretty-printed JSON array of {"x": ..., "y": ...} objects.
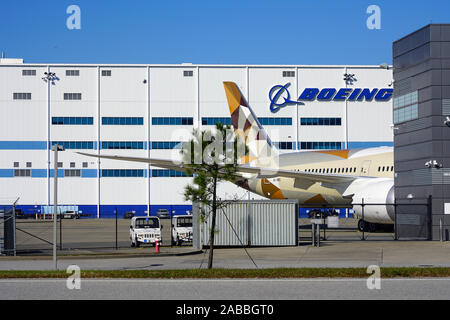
[{"x": 211, "y": 158}]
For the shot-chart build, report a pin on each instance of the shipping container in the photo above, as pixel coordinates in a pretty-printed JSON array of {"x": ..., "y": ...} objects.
[{"x": 248, "y": 223}]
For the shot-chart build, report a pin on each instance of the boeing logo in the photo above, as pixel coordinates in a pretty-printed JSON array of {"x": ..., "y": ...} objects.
[{"x": 279, "y": 95}]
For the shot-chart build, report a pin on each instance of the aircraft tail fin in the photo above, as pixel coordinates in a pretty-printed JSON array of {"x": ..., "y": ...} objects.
[{"x": 246, "y": 124}]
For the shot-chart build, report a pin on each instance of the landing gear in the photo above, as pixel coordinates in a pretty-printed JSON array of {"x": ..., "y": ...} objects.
[
  {"x": 374, "y": 227},
  {"x": 367, "y": 226}
]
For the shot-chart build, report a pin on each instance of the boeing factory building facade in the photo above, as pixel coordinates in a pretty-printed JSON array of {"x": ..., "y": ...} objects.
[{"x": 147, "y": 110}]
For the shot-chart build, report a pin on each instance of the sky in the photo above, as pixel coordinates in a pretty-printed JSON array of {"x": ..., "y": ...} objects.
[{"x": 211, "y": 32}]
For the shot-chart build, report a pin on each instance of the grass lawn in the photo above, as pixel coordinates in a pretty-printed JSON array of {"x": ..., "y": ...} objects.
[{"x": 404, "y": 272}]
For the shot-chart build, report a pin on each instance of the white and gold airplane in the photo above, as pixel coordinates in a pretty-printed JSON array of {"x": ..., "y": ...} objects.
[{"x": 320, "y": 177}]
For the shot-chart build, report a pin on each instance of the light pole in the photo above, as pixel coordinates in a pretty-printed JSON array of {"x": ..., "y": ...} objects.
[{"x": 55, "y": 149}]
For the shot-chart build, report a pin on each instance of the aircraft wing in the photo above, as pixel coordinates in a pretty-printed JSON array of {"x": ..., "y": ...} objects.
[{"x": 308, "y": 177}]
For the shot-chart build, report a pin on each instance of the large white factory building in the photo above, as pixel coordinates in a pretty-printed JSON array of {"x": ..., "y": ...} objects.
[{"x": 147, "y": 110}]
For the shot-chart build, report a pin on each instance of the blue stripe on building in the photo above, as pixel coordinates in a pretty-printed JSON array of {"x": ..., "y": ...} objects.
[
  {"x": 369, "y": 144},
  {"x": 6, "y": 173},
  {"x": 39, "y": 173},
  {"x": 23, "y": 145},
  {"x": 89, "y": 173}
]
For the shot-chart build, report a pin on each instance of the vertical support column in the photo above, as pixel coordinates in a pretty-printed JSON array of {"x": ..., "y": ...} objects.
[
  {"x": 98, "y": 142},
  {"x": 296, "y": 122},
  {"x": 55, "y": 204},
  {"x": 49, "y": 144},
  {"x": 197, "y": 122},
  {"x": 346, "y": 119},
  {"x": 149, "y": 123}
]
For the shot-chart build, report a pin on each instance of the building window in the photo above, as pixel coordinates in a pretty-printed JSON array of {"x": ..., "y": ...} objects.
[
  {"x": 122, "y": 173},
  {"x": 168, "y": 173},
  {"x": 16, "y": 164},
  {"x": 72, "y": 164},
  {"x": 406, "y": 107},
  {"x": 72, "y": 96},
  {"x": 122, "y": 121},
  {"x": 188, "y": 73},
  {"x": 75, "y": 144},
  {"x": 22, "y": 96},
  {"x": 22, "y": 173},
  {"x": 85, "y": 164},
  {"x": 289, "y": 74},
  {"x": 213, "y": 121},
  {"x": 72, "y": 73},
  {"x": 332, "y": 145},
  {"x": 122, "y": 145},
  {"x": 157, "y": 121},
  {"x": 166, "y": 145},
  {"x": 320, "y": 121},
  {"x": 106, "y": 73},
  {"x": 72, "y": 172},
  {"x": 283, "y": 145},
  {"x": 28, "y": 164},
  {"x": 60, "y": 165},
  {"x": 72, "y": 120},
  {"x": 28, "y": 72},
  {"x": 275, "y": 121}
]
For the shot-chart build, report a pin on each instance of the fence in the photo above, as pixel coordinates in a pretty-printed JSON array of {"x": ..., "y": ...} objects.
[{"x": 33, "y": 234}]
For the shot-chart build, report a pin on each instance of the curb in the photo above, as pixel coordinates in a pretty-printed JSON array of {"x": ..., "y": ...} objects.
[{"x": 102, "y": 256}]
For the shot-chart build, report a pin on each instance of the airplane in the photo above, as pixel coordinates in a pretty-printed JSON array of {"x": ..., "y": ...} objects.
[{"x": 340, "y": 178}]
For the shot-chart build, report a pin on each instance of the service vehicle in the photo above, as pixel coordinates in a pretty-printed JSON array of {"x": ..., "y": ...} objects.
[
  {"x": 145, "y": 230},
  {"x": 181, "y": 229}
]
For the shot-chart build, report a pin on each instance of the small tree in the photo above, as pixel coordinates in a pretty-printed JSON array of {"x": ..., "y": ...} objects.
[{"x": 211, "y": 158}]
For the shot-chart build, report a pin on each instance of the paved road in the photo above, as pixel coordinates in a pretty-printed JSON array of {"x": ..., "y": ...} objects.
[
  {"x": 242, "y": 289},
  {"x": 331, "y": 254}
]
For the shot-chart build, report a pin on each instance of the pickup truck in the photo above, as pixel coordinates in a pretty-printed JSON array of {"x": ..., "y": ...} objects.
[
  {"x": 181, "y": 229},
  {"x": 144, "y": 230}
]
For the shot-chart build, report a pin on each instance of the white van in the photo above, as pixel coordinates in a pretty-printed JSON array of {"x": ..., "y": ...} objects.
[
  {"x": 144, "y": 230},
  {"x": 181, "y": 229}
]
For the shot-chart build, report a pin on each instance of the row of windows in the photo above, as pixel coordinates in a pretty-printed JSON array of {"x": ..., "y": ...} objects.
[
  {"x": 72, "y": 120},
  {"x": 406, "y": 107},
  {"x": 22, "y": 173},
  {"x": 275, "y": 121},
  {"x": 122, "y": 121},
  {"x": 72, "y": 96},
  {"x": 332, "y": 170},
  {"x": 320, "y": 121},
  {"x": 263, "y": 121},
  {"x": 72, "y": 173},
  {"x": 122, "y": 145},
  {"x": 72, "y": 165},
  {"x": 28, "y": 72},
  {"x": 16, "y": 164},
  {"x": 212, "y": 121},
  {"x": 405, "y": 114},
  {"x": 72, "y": 73},
  {"x": 22, "y": 96},
  {"x": 166, "y": 145},
  {"x": 172, "y": 121},
  {"x": 406, "y": 99},
  {"x": 283, "y": 145},
  {"x": 122, "y": 172},
  {"x": 288, "y": 74},
  {"x": 168, "y": 173},
  {"x": 69, "y": 73},
  {"x": 321, "y": 145},
  {"x": 385, "y": 168},
  {"x": 75, "y": 144}
]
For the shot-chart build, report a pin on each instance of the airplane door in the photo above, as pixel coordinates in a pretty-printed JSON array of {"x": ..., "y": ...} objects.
[{"x": 365, "y": 167}]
